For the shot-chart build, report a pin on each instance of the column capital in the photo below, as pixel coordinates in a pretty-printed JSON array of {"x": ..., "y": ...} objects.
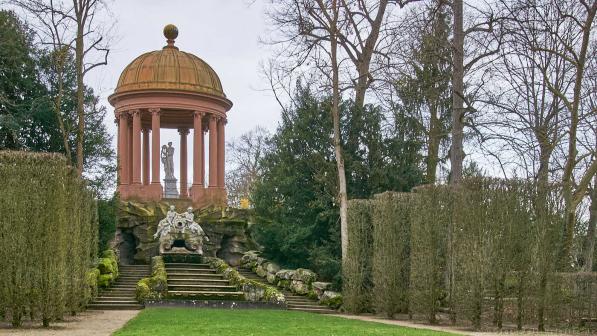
[
  {"x": 154, "y": 110},
  {"x": 135, "y": 113},
  {"x": 199, "y": 114},
  {"x": 183, "y": 131},
  {"x": 123, "y": 114}
]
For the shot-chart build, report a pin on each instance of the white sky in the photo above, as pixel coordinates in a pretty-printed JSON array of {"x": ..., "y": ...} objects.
[{"x": 224, "y": 33}]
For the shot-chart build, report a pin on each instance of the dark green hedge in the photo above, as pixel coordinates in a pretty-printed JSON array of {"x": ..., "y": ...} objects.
[{"x": 48, "y": 234}]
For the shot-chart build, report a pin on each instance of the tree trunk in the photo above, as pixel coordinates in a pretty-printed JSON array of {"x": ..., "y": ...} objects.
[
  {"x": 433, "y": 144},
  {"x": 568, "y": 176},
  {"x": 80, "y": 94},
  {"x": 336, "y": 124},
  {"x": 457, "y": 150},
  {"x": 589, "y": 243},
  {"x": 58, "y": 105}
]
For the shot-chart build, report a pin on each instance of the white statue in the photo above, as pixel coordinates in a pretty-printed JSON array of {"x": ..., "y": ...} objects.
[
  {"x": 177, "y": 227},
  {"x": 167, "y": 156},
  {"x": 192, "y": 225},
  {"x": 166, "y": 224}
]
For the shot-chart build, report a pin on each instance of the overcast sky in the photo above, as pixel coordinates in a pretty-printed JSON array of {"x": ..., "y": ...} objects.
[{"x": 224, "y": 33}]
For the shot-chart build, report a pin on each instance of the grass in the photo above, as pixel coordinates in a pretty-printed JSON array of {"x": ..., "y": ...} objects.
[{"x": 219, "y": 322}]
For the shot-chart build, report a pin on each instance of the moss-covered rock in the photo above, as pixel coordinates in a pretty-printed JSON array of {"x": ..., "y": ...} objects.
[
  {"x": 261, "y": 271},
  {"x": 320, "y": 287},
  {"x": 105, "y": 280},
  {"x": 254, "y": 291},
  {"x": 299, "y": 287},
  {"x": 142, "y": 291},
  {"x": 331, "y": 299},
  {"x": 284, "y": 284},
  {"x": 271, "y": 278},
  {"x": 105, "y": 266},
  {"x": 285, "y": 274},
  {"x": 156, "y": 286},
  {"x": 305, "y": 275}
]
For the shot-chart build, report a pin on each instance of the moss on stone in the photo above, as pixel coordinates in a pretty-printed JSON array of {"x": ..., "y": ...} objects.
[
  {"x": 333, "y": 303},
  {"x": 105, "y": 280}
]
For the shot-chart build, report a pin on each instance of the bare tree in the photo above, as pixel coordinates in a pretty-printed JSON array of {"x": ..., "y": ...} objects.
[
  {"x": 483, "y": 40},
  {"x": 244, "y": 155},
  {"x": 67, "y": 27},
  {"x": 88, "y": 40}
]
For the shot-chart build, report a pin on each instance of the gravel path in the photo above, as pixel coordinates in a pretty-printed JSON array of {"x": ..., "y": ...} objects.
[
  {"x": 89, "y": 323},
  {"x": 446, "y": 328}
]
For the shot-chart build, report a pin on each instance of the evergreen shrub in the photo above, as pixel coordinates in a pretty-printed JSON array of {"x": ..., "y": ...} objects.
[{"x": 48, "y": 234}]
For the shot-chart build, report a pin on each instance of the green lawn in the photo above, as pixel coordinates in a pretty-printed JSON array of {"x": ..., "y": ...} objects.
[{"x": 216, "y": 322}]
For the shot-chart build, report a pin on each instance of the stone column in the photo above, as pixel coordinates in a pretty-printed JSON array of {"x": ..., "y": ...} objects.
[
  {"x": 155, "y": 146},
  {"x": 136, "y": 147},
  {"x": 198, "y": 149},
  {"x": 183, "y": 162},
  {"x": 129, "y": 160},
  {"x": 213, "y": 152},
  {"x": 145, "y": 156},
  {"x": 221, "y": 149},
  {"x": 123, "y": 127}
]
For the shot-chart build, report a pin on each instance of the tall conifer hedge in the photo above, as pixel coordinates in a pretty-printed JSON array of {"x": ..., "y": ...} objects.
[
  {"x": 391, "y": 252},
  {"x": 357, "y": 281},
  {"x": 484, "y": 251},
  {"x": 48, "y": 234}
]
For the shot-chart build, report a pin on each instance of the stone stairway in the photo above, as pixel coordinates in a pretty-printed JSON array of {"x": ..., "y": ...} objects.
[
  {"x": 293, "y": 301},
  {"x": 121, "y": 295},
  {"x": 199, "y": 282}
]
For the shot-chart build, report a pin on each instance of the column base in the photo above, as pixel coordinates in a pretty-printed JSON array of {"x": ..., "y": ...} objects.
[
  {"x": 204, "y": 197},
  {"x": 141, "y": 192}
]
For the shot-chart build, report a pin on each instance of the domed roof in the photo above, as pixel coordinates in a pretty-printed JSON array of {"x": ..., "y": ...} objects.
[{"x": 170, "y": 69}]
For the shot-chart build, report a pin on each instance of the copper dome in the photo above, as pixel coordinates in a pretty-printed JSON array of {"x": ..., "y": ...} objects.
[{"x": 169, "y": 69}]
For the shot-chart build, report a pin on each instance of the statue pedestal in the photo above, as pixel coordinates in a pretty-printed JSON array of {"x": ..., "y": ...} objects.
[{"x": 170, "y": 190}]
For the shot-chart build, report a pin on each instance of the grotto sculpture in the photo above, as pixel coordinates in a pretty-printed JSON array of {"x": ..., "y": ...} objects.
[{"x": 180, "y": 234}]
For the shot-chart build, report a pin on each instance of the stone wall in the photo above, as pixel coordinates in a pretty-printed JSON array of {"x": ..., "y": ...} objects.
[{"x": 227, "y": 229}]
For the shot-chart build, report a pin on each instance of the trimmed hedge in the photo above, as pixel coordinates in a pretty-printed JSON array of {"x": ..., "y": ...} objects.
[
  {"x": 356, "y": 271},
  {"x": 484, "y": 251},
  {"x": 391, "y": 251},
  {"x": 48, "y": 234}
]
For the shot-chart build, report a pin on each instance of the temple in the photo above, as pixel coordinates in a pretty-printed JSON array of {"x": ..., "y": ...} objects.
[{"x": 169, "y": 88}]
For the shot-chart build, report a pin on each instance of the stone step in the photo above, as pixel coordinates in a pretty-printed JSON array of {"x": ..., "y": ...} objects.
[
  {"x": 305, "y": 305},
  {"x": 198, "y": 281},
  {"x": 188, "y": 265},
  {"x": 216, "y": 288},
  {"x": 190, "y": 270},
  {"x": 115, "y": 301},
  {"x": 294, "y": 301},
  {"x": 186, "y": 293},
  {"x": 111, "y": 306},
  {"x": 176, "y": 275},
  {"x": 117, "y": 295},
  {"x": 315, "y": 310},
  {"x": 125, "y": 287}
]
